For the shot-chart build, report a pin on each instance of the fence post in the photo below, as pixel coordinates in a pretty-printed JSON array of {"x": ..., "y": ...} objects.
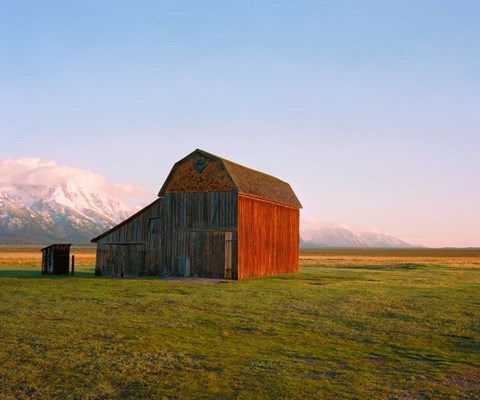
[{"x": 73, "y": 264}]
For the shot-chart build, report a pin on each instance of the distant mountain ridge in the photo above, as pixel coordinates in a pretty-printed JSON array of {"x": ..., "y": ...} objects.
[
  {"x": 42, "y": 201},
  {"x": 67, "y": 212},
  {"x": 323, "y": 237},
  {"x": 64, "y": 212}
]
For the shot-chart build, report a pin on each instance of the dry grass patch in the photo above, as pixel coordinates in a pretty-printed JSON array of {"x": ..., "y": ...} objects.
[{"x": 462, "y": 258}]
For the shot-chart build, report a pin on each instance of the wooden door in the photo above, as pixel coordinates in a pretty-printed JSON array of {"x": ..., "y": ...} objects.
[
  {"x": 125, "y": 260},
  {"x": 133, "y": 260},
  {"x": 203, "y": 254},
  {"x": 196, "y": 252},
  {"x": 206, "y": 254},
  {"x": 228, "y": 255},
  {"x": 113, "y": 265},
  {"x": 180, "y": 252}
]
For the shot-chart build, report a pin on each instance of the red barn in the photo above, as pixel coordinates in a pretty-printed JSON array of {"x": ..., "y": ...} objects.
[{"x": 214, "y": 218}]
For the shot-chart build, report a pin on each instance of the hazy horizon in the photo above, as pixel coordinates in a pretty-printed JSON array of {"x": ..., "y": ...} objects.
[{"x": 369, "y": 110}]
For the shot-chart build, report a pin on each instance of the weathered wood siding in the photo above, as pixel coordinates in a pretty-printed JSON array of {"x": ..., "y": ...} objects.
[
  {"x": 144, "y": 229},
  {"x": 124, "y": 260},
  {"x": 195, "y": 229},
  {"x": 268, "y": 238},
  {"x": 55, "y": 259},
  {"x": 185, "y": 177}
]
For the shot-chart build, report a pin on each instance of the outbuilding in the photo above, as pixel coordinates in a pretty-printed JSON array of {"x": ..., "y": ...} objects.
[
  {"x": 213, "y": 218},
  {"x": 55, "y": 259}
]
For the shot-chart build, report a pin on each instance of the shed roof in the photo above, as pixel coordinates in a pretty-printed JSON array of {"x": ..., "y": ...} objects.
[
  {"x": 96, "y": 239},
  {"x": 57, "y": 245},
  {"x": 251, "y": 182}
]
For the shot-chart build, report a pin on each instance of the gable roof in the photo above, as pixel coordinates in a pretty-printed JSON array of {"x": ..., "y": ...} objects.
[{"x": 250, "y": 182}]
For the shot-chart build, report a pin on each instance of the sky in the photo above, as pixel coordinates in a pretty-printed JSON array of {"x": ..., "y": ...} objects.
[{"x": 369, "y": 109}]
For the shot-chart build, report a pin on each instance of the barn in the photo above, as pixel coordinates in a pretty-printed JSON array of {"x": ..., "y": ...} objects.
[{"x": 213, "y": 218}]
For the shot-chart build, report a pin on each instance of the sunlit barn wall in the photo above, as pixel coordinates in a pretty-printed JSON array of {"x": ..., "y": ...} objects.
[{"x": 268, "y": 238}]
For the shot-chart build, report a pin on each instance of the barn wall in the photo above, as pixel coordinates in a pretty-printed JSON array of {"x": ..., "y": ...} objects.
[
  {"x": 196, "y": 229},
  {"x": 144, "y": 229},
  {"x": 268, "y": 238}
]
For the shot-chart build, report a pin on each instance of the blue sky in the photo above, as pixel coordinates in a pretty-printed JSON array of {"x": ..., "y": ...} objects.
[{"x": 369, "y": 109}]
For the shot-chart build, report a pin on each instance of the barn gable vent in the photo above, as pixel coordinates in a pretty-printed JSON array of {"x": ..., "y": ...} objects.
[{"x": 200, "y": 165}]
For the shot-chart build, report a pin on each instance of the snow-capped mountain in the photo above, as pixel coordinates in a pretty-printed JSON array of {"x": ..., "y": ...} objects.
[
  {"x": 341, "y": 237},
  {"x": 67, "y": 212},
  {"x": 43, "y": 201},
  {"x": 57, "y": 212}
]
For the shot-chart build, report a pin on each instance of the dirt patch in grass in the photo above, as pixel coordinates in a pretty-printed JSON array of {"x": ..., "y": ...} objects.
[{"x": 468, "y": 379}]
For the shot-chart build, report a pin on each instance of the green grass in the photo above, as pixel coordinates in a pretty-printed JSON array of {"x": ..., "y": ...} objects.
[{"x": 349, "y": 325}]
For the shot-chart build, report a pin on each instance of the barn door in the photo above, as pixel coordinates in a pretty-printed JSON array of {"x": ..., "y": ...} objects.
[
  {"x": 133, "y": 260},
  {"x": 203, "y": 254},
  {"x": 125, "y": 260},
  {"x": 181, "y": 262},
  {"x": 228, "y": 255},
  {"x": 207, "y": 253},
  {"x": 114, "y": 260},
  {"x": 196, "y": 251}
]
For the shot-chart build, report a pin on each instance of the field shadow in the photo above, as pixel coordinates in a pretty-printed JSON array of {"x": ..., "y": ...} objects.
[
  {"x": 386, "y": 267},
  {"x": 32, "y": 274}
]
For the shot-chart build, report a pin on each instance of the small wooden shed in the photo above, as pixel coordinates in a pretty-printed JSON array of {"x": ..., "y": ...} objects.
[
  {"x": 55, "y": 259},
  {"x": 214, "y": 219}
]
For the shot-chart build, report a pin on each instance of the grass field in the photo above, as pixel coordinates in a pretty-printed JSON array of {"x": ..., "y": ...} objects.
[{"x": 353, "y": 324}]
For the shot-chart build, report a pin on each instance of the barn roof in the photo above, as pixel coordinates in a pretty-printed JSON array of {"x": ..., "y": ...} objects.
[
  {"x": 96, "y": 239},
  {"x": 56, "y": 245},
  {"x": 251, "y": 182}
]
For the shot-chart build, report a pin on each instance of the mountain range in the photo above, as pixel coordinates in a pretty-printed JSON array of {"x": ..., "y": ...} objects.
[
  {"x": 338, "y": 236},
  {"x": 42, "y": 202},
  {"x": 66, "y": 212}
]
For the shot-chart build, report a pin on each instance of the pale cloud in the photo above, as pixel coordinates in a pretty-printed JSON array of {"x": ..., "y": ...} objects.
[{"x": 39, "y": 172}]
